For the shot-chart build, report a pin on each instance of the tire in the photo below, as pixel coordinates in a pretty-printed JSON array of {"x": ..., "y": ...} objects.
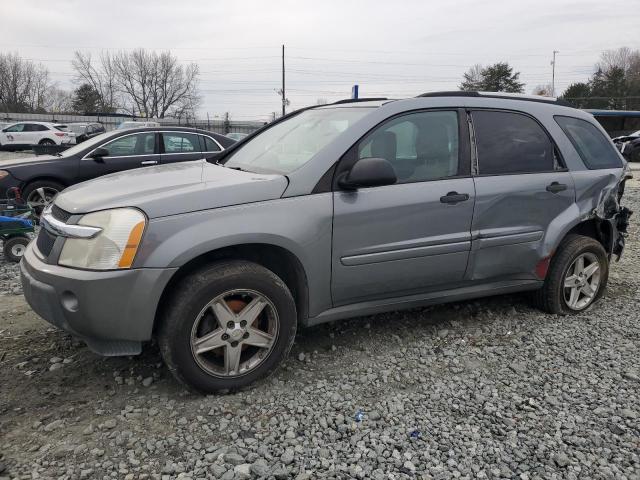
[
  {"x": 186, "y": 320},
  {"x": 554, "y": 296},
  {"x": 13, "y": 248},
  {"x": 40, "y": 193},
  {"x": 47, "y": 141}
]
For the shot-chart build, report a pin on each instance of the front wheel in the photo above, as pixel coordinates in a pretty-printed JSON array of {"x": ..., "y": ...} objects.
[
  {"x": 227, "y": 326},
  {"x": 577, "y": 277},
  {"x": 41, "y": 193}
]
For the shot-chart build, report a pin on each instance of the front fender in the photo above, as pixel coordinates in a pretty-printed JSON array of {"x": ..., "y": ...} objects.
[{"x": 300, "y": 225}]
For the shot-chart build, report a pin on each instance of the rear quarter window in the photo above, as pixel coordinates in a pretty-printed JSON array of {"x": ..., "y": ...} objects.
[{"x": 594, "y": 148}]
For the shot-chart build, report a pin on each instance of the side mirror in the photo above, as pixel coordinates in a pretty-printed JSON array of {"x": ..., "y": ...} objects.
[
  {"x": 99, "y": 153},
  {"x": 368, "y": 172}
]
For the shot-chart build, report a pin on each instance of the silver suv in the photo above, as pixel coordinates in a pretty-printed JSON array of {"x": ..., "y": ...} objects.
[{"x": 334, "y": 211}]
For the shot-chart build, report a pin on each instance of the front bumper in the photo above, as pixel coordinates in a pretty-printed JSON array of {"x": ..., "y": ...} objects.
[{"x": 112, "y": 311}]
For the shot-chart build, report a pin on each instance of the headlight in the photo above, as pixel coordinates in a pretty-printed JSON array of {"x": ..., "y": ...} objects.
[
  {"x": 113, "y": 248},
  {"x": 3, "y": 173}
]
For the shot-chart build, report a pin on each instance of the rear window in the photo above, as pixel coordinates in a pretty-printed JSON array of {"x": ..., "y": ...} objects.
[
  {"x": 593, "y": 147},
  {"x": 510, "y": 143}
]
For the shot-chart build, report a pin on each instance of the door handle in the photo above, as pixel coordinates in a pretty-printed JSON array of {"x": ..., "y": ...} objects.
[
  {"x": 149, "y": 162},
  {"x": 454, "y": 197},
  {"x": 555, "y": 187}
]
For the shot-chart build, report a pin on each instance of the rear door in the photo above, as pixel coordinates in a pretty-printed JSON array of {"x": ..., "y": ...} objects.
[
  {"x": 180, "y": 147},
  {"x": 126, "y": 152},
  {"x": 412, "y": 236},
  {"x": 522, "y": 187}
]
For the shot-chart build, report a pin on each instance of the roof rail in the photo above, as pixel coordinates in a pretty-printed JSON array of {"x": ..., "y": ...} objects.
[
  {"x": 501, "y": 95},
  {"x": 355, "y": 100}
]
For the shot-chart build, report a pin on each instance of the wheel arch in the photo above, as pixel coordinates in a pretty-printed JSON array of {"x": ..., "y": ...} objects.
[
  {"x": 596, "y": 228},
  {"x": 279, "y": 260}
]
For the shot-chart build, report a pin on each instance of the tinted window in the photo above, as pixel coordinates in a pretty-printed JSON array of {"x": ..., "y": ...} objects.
[
  {"x": 34, "y": 127},
  {"x": 420, "y": 146},
  {"x": 16, "y": 128},
  {"x": 511, "y": 143},
  {"x": 139, "y": 144},
  {"x": 180, "y": 142},
  {"x": 210, "y": 145},
  {"x": 593, "y": 147}
]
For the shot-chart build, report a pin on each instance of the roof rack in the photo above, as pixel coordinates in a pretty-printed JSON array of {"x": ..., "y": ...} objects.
[
  {"x": 355, "y": 100},
  {"x": 502, "y": 95}
]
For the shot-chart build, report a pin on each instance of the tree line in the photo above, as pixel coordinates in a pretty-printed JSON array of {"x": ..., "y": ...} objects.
[
  {"x": 154, "y": 85},
  {"x": 139, "y": 82}
]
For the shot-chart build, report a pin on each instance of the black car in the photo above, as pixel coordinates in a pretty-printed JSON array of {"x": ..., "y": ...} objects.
[
  {"x": 41, "y": 178},
  {"x": 85, "y": 131}
]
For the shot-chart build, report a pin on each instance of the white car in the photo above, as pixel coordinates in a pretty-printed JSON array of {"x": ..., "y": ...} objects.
[
  {"x": 125, "y": 125},
  {"x": 23, "y": 135}
]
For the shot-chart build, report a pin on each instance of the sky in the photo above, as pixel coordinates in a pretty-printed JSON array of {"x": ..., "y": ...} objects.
[{"x": 393, "y": 49}]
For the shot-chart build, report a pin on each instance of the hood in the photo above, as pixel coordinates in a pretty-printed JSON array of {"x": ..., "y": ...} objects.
[
  {"x": 172, "y": 189},
  {"x": 34, "y": 160}
]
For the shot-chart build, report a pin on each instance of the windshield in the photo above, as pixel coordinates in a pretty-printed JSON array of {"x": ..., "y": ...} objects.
[
  {"x": 291, "y": 143},
  {"x": 86, "y": 144}
]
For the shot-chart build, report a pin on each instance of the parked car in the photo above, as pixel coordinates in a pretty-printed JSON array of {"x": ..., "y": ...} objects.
[
  {"x": 237, "y": 136},
  {"x": 85, "y": 131},
  {"x": 42, "y": 178},
  {"x": 126, "y": 125},
  {"x": 333, "y": 211},
  {"x": 23, "y": 135}
]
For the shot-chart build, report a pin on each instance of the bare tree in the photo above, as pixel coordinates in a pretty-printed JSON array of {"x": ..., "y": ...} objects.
[
  {"x": 623, "y": 58},
  {"x": 59, "y": 101},
  {"x": 23, "y": 84},
  {"x": 141, "y": 82},
  {"x": 101, "y": 76},
  {"x": 473, "y": 78}
]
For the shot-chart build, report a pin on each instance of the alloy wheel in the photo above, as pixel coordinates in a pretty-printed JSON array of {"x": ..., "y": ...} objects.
[
  {"x": 41, "y": 197},
  {"x": 234, "y": 333},
  {"x": 582, "y": 281}
]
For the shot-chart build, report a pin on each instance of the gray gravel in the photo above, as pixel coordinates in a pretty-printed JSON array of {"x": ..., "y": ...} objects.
[{"x": 484, "y": 389}]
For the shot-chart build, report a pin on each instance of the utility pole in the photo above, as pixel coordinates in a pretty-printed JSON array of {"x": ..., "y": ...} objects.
[
  {"x": 284, "y": 101},
  {"x": 553, "y": 74}
]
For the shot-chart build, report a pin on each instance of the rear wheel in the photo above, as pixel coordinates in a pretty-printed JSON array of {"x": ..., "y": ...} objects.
[
  {"x": 14, "y": 248},
  {"x": 47, "y": 141},
  {"x": 41, "y": 193},
  {"x": 227, "y": 326},
  {"x": 577, "y": 277}
]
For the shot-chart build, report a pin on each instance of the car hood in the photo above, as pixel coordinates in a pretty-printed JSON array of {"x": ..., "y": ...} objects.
[{"x": 172, "y": 189}]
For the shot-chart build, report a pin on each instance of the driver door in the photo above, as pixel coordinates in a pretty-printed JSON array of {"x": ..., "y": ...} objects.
[
  {"x": 413, "y": 236},
  {"x": 126, "y": 152}
]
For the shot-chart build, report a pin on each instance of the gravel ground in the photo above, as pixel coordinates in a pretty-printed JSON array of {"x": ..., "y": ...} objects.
[{"x": 484, "y": 389}]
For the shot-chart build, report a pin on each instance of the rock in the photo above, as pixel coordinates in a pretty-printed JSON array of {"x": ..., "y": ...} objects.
[
  {"x": 55, "y": 366},
  {"x": 233, "y": 458},
  {"x": 109, "y": 424},
  {"x": 55, "y": 360},
  {"x": 260, "y": 469},
  {"x": 242, "y": 471},
  {"x": 50, "y": 427},
  {"x": 147, "y": 382},
  {"x": 561, "y": 460},
  {"x": 287, "y": 457}
]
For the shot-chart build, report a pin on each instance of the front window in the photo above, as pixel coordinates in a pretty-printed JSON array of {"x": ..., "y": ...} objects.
[{"x": 293, "y": 142}]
